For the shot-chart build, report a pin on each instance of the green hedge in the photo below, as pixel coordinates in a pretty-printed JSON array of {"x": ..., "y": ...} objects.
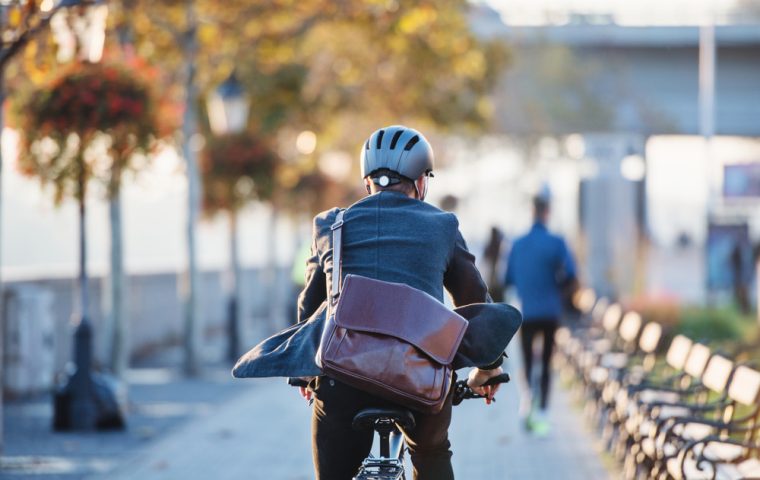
[{"x": 717, "y": 325}]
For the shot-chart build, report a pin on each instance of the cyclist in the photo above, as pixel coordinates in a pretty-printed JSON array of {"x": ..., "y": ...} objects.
[{"x": 390, "y": 235}]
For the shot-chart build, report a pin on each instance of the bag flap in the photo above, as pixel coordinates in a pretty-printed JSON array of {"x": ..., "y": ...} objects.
[{"x": 403, "y": 312}]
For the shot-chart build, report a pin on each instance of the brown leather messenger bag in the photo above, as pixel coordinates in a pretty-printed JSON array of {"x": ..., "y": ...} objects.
[{"x": 388, "y": 339}]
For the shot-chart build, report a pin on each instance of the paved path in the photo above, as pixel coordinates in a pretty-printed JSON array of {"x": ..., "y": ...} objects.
[
  {"x": 160, "y": 401},
  {"x": 263, "y": 433}
]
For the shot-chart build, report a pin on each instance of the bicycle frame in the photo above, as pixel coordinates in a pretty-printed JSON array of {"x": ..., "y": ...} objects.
[{"x": 389, "y": 465}]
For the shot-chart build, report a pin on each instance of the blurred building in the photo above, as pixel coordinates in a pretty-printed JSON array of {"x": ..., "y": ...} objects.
[{"x": 606, "y": 107}]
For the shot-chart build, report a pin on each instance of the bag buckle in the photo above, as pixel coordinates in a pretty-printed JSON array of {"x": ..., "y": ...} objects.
[{"x": 337, "y": 225}]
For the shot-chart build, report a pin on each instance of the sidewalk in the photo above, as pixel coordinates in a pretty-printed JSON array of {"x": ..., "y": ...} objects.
[
  {"x": 160, "y": 400},
  {"x": 483, "y": 451},
  {"x": 216, "y": 427},
  {"x": 264, "y": 433}
]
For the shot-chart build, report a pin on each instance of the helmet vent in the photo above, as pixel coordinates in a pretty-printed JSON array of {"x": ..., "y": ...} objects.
[
  {"x": 395, "y": 138},
  {"x": 412, "y": 142},
  {"x": 380, "y": 138},
  {"x": 366, "y": 145}
]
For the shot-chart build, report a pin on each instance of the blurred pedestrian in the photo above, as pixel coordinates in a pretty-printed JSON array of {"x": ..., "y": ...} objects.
[
  {"x": 739, "y": 277},
  {"x": 449, "y": 203},
  {"x": 492, "y": 256},
  {"x": 540, "y": 266}
]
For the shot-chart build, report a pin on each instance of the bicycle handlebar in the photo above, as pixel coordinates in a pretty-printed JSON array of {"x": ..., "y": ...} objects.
[
  {"x": 462, "y": 391},
  {"x": 297, "y": 382}
]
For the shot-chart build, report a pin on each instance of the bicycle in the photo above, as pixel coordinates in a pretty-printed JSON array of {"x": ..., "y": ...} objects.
[{"x": 386, "y": 424}]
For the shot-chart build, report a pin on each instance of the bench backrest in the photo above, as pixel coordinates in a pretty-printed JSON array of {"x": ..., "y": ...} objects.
[
  {"x": 745, "y": 386},
  {"x": 584, "y": 300},
  {"x": 597, "y": 313},
  {"x": 611, "y": 318},
  {"x": 678, "y": 352},
  {"x": 717, "y": 373},
  {"x": 650, "y": 337},
  {"x": 630, "y": 326},
  {"x": 695, "y": 365}
]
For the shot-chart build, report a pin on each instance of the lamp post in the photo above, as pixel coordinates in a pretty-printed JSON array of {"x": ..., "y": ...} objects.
[
  {"x": 80, "y": 37},
  {"x": 228, "y": 108},
  {"x": 14, "y": 39},
  {"x": 86, "y": 401}
]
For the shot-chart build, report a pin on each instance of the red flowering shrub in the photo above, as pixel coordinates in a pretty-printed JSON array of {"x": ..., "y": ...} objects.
[
  {"x": 236, "y": 169},
  {"x": 92, "y": 118}
]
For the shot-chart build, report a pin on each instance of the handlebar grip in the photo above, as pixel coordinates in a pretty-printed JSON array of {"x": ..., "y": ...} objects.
[
  {"x": 297, "y": 382},
  {"x": 503, "y": 378}
]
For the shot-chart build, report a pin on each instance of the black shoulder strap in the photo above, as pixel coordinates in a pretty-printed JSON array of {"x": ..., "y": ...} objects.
[{"x": 337, "y": 259}]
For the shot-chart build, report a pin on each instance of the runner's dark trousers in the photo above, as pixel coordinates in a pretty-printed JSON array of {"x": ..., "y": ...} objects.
[
  {"x": 338, "y": 449},
  {"x": 546, "y": 327}
]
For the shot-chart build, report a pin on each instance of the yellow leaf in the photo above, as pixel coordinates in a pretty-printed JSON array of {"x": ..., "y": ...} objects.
[
  {"x": 14, "y": 18},
  {"x": 417, "y": 19},
  {"x": 207, "y": 34}
]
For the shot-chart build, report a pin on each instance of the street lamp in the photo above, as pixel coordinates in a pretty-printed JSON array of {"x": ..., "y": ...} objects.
[
  {"x": 86, "y": 401},
  {"x": 228, "y": 108}
]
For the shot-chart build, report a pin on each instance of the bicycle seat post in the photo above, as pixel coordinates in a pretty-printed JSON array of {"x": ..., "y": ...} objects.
[{"x": 384, "y": 427}]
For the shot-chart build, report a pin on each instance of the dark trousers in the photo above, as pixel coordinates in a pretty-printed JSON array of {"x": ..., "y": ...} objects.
[
  {"x": 546, "y": 327},
  {"x": 338, "y": 449}
]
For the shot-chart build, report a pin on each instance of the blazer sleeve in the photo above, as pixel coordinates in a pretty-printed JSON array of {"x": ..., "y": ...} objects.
[
  {"x": 314, "y": 292},
  {"x": 462, "y": 278}
]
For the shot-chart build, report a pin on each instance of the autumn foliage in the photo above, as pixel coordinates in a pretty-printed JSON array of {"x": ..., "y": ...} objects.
[
  {"x": 237, "y": 168},
  {"x": 91, "y": 119}
]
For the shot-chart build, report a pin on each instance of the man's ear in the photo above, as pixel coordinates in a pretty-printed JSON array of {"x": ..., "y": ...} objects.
[
  {"x": 366, "y": 185},
  {"x": 422, "y": 185}
]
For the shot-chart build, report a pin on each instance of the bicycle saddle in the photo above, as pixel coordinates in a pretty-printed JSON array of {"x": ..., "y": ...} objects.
[{"x": 367, "y": 418}]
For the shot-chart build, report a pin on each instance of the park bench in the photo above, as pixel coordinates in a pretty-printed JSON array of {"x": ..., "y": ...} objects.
[
  {"x": 633, "y": 360},
  {"x": 727, "y": 447},
  {"x": 619, "y": 371},
  {"x": 587, "y": 344},
  {"x": 584, "y": 301},
  {"x": 602, "y": 366},
  {"x": 661, "y": 419},
  {"x": 640, "y": 404},
  {"x": 645, "y": 386},
  {"x": 635, "y": 405},
  {"x": 579, "y": 346},
  {"x": 690, "y": 415}
]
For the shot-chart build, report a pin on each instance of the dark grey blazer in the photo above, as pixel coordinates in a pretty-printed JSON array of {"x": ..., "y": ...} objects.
[{"x": 389, "y": 236}]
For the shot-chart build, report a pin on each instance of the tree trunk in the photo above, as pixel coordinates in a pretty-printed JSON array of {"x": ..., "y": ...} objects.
[
  {"x": 84, "y": 355},
  {"x": 2, "y": 309},
  {"x": 276, "y": 313},
  {"x": 191, "y": 302},
  {"x": 234, "y": 317},
  {"x": 118, "y": 325}
]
